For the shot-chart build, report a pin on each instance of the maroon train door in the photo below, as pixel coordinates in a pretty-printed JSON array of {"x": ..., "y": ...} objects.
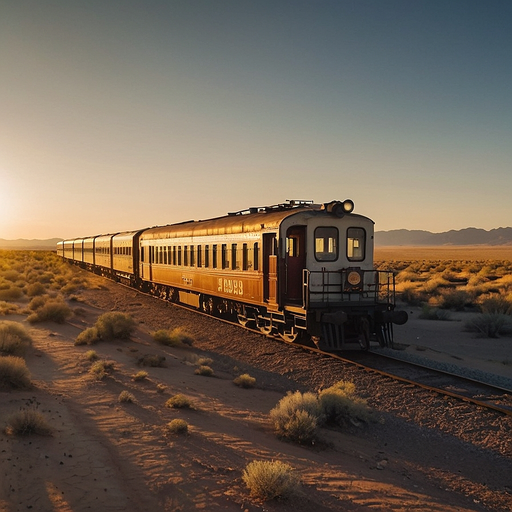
[
  {"x": 270, "y": 268},
  {"x": 295, "y": 262}
]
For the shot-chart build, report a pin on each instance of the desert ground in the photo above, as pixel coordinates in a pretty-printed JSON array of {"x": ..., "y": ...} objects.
[{"x": 422, "y": 454}]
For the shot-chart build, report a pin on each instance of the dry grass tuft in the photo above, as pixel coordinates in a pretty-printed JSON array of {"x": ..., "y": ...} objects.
[
  {"x": 88, "y": 336},
  {"x": 177, "y": 426},
  {"x": 91, "y": 355},
  {"x": 340, "y": 405},
  {"x": 205, "y": 371},
  {"x": 269, "y": 480},
  {"x": 245, "y": 381},
  {"x": 53, "y": 310},
  {"x": 27, "y": 422},
  {"x": 14, "y": 373},
  {"x": 179, "y": 401},
  {"x": 14, "y": 339},
  {"x": 126, "y": 397},
  {"x": 295, "y": 417},
  {"x": 175, "y": 338},
  {"x": 152, "y": 360},
  {"x": 100, "y": 369},
  {"x": 139, "y": 376},
  {"x": 115, "y": 325}
]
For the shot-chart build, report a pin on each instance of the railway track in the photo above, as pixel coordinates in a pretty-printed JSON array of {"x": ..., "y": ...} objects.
[
  {"x": 438, "y": 381},
  {"x": 434, "y": 380}
]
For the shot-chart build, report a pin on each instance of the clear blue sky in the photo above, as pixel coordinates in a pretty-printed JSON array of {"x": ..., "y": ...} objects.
[{"x": 120, "y": 114}]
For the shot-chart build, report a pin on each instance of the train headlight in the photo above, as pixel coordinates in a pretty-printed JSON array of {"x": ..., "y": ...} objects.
[
  {"x": 354, "y": 278},
  {"x": 348, "y": 206},
  {"x": 340, "y": 208}
]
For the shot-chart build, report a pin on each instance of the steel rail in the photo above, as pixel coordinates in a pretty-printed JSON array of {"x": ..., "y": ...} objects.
[{"x": 369, "y": 369}]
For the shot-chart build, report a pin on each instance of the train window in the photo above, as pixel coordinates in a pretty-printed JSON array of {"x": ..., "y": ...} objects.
[
  {"x": 245, "y": 257},
  {"x": 356, "y": 242},
  {"x": 192, "y": 256},
  {"x": 206, "y": 255},
  {"x": 214, "y": 255},
  {"x": 179, "y": 254},
  {"x": 225, "y": 256},
  {"x": 256, "y": 256},
  {"x": 199, "y": 256},
  {"x": 174, "y": 255},
  {"x": 185, "y": 255},
  {"x": 292, "y": 246},
  {"x": 234, "y": 264},
  {"x": 326, "y": 244},
  {"x": 142, "y": 254}
]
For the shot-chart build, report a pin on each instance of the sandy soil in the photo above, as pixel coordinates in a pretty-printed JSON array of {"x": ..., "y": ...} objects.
[{"x": 110, "y": 456}]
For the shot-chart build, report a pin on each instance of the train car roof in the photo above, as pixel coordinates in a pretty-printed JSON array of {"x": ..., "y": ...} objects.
[{"x": 245, "y": 221}]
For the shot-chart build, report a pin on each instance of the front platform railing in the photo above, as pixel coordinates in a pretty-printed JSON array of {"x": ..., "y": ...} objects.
[{"x": 329, "y": 288}]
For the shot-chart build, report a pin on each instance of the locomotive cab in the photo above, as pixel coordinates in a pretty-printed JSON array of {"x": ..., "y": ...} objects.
[{"x": 327, "y": 281}]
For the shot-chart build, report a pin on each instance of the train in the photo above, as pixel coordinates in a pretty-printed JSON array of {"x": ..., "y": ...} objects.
[{"x": 298, "y": 270}]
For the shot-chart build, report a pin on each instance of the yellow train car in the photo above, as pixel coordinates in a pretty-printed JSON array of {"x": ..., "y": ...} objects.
[{"x": 291, "y": 269}]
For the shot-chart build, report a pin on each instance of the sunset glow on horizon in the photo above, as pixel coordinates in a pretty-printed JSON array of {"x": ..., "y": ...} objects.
[{"x": 117, "y": 116}]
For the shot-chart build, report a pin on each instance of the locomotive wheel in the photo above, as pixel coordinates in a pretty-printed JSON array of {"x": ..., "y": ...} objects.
[
  {"x": 290, "y": 335},
  {"x": 242, "y": 320},
  {"x": 265, "y": 326}
]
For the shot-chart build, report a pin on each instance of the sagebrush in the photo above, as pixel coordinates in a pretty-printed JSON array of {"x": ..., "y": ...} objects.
[{"x": 269, "y": 480}]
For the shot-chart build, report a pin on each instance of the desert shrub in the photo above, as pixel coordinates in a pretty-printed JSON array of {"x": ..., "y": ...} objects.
[
  {"x": 433, "y": 284},
  {"x": 54, "y": 310},
  {"x": 245, "y": 381},
  {"x": 152, "y": 360},
  {"x": 173, "y": 338},
  {"x": 489, "y": 325},
  {"x": 91, "y": 355},
  {"x": 14, "y": 373},
  {"x": 100, "y": 369},
  {"x": 204, "y": 370},
  {"x": 88, "y": 336},
  {"x": 340, "y": 404},
  {"x": 296, "y": 417},
  {"x": 46, "y": 277},
  {"x": 11, "y": 275},
  {"x": 140, "y": 376},
  {"x": 14, "y": 338},
  {"x": 179, "y": 401},
  {"x": 430, "y": 313},
  {"x": 268, "y": 480},
  {"x": 35, "y": 289},
  {"x": 496, "y": 304},
  {"x": 411, "y": 294},
  {"x": 126, "y": 397},
  {"x": 37, "y": 302},
  {"x": 11, "y": 293},
  {"x": 177, "y": 426},
  {"x": 115, "y": 325},
  {"x": 7, "y": 308},
  {"x": 27, "y": 422},
  {"x": 455, "y": 299}
]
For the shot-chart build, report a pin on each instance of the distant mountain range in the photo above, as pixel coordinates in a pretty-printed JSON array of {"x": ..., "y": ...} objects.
[
  {"x": 48, "y": 244},
  {"x": 467, "y": 236}
]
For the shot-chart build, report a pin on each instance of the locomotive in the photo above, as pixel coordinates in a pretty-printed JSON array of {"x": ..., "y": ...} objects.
[{"x": 298, "y": 270}]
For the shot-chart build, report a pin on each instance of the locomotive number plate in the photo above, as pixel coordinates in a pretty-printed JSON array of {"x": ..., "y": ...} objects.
[{"x": 234, "y": 286}]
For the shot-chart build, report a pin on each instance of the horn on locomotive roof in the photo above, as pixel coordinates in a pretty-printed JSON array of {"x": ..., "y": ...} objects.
[{"x": 339, "y": 208}]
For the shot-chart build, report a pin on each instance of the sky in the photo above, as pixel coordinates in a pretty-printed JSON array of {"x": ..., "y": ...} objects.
[{"x": 124, "y": 114}]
